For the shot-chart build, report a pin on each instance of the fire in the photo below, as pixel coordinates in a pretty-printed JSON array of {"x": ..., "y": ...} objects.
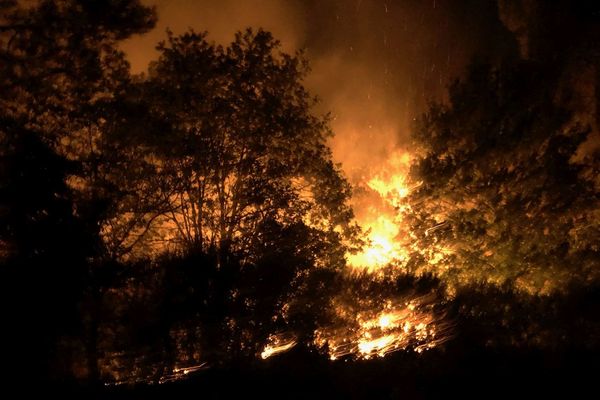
[
  {"x": 378, "y": 345},
  {"x": 365, "y": 327},
  {"x": 398, "y": 325},
  {"x": 278, "y": 343},
  {"x": 411, "y": 324},
  {"x": 382, "y": 247},
  {"x": 181, "y": 373},
  {"x": 380, "y": 214}
]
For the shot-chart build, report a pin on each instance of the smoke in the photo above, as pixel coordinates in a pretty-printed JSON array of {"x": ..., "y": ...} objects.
[
  {"x": 375, "y": 66},
  {"x": 375, "y": 63},
  {"x": 220, "y": 18}
]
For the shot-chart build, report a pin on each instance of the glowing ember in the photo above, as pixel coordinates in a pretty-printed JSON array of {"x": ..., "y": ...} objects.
[
  {"x": 397, "y": 326},
  {"x": 180, "y": 373},
  {"x": 277, "y": 344},
  {"x": 376, "y": 345}
]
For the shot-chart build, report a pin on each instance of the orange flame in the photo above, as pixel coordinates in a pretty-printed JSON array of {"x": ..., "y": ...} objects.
[
  {"x": 398, "y": 325},
  {"x": 278, "y": 343},
  {"x": 381, "y": 216},
  {"x": 410, "y": 324}
]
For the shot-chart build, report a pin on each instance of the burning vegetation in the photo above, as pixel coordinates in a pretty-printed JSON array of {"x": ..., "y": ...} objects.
[
  {"x": 364, "y": 330},
  {"x": 162, "y": 225}
]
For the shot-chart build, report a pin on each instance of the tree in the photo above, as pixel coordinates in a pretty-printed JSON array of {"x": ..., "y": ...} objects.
[
  {"x": 239, "y": 153},
  {"x": 503, "y": 198},
  {"x": 60, "y": 69},
  {"x": 62, "y": 78},
  {"x": 229, "y": 171}
]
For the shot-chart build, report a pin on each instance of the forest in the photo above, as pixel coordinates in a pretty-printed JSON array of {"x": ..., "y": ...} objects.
[{"x": 188, "y": 230}]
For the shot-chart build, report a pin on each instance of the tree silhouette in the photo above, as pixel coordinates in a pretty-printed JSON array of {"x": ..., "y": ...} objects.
[
  {"x": 217, "y": 148},
  {"x": 59, "y": 66},
  {"x": 228, "y": 168},
  {"x": 239, "y": 155},
  {"x": 47, "y": 248}
]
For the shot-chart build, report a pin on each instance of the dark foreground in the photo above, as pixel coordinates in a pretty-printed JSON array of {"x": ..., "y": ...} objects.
[{"x": 448, "y": 373}]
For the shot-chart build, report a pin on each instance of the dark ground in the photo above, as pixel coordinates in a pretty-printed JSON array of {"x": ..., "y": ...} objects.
[{"x": 448, "y": 373}]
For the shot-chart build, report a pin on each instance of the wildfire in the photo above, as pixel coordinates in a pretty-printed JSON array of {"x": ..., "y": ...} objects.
[
  {"x": 380, "y": 214},
  {"x": 381, "y": 248},
  {"x": 399, "y": 324},
  {"x": 411, "y": 324},
  {"x": 366, "y": 327},
  {"x": 182, "y": 373},
  {"x": 278, "y": 343}
]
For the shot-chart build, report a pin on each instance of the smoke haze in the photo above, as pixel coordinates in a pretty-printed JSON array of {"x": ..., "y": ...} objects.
[{"x": 375, "y": 64}]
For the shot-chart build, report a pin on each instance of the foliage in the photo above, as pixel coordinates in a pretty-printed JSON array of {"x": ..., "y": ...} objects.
[
  {"x": 151, "y": 223},
  {"x": 242, "y": 163},
  {"x": 503, "y": 198},
  {"x": 217, "y": 147},
  {"x": 59, "y": 65}
]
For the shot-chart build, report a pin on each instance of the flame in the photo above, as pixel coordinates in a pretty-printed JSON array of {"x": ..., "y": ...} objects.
[
  {"x": 364, "y": 328},
  {"x": 382, "y": 247},
  {"x": 381, "y": 216},
  {"x": 399, "y": 325},
  {"x": 278, "y": 343},
  {"x": 181, "y": 373},
  {"x": 411, "y": 324}
]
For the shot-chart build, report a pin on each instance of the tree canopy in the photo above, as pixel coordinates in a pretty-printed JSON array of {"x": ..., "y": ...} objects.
[
  {"x": 240, "y": 161},
  {"x": 504, "y": 196},
  {"x": 206, "y": 188},
  {"x": 60, "y": 67}
]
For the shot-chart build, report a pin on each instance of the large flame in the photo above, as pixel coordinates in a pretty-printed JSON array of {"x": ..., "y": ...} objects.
[
  {"x": 379, "y": 211},
  {"x": 364, "y": 327}
]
